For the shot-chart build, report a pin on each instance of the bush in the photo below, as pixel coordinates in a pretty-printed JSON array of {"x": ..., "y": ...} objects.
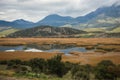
[
  {"x": 38, "y": 65},
  {"x": 13, "y": 62},
  {"x": 80, "y": 72},
  {"x": 102, "y": 71},
  {"x": 55, "y": 66},
  {"x": 22, "y": 69},
  {"x": 3, "y": 62}
]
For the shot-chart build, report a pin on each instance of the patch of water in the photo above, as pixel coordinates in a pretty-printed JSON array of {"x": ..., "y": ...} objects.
[
  {"x": 8, "y": 48},
  {"x": 68, "y": 50},
  {"x": 44, "y": 48}
]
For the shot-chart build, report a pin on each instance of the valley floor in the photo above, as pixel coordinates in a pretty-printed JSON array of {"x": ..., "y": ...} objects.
[{"x": 107, "y": 49}]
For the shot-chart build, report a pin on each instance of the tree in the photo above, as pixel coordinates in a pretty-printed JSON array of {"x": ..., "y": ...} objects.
[{"x": 55, "y": 66}]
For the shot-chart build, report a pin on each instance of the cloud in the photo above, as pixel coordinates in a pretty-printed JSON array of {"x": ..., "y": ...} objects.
[{"x": 35, "y": 10}]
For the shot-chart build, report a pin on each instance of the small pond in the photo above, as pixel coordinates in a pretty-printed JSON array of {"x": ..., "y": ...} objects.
[{"x": 43, "y": 48}]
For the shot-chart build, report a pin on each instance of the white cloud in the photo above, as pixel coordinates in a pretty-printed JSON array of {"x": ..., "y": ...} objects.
[{"x": 35, "y": 10}]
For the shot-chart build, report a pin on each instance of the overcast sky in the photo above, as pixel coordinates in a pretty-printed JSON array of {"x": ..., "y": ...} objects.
[{"x": 35, "y": 10}]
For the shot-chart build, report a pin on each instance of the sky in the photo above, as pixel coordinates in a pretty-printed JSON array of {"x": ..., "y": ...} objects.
[{"x": 35, "y": 10}]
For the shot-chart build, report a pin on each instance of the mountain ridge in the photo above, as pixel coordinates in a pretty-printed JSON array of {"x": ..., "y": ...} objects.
[{"x": 57, "y": 20}]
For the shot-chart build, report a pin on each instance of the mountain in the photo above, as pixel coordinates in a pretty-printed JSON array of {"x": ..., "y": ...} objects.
[
  {"x": 55, "y": 20},
  {"x": 22, "y": 21},
  {"x": 111, "y": 11},
  {"x": 20, "y": 24},
  {"x": 91, "y": 18},
  {"x": 105, "y": 17},
  {"x": 101, "y": 17},
  {"x": 46, "y": 31},
  {"x": 5, "y": 23}
]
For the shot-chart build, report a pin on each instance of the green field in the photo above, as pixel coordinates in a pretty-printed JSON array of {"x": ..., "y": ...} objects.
[
  {"x": 115, "y": 30},
  {"x": 8, "y": 31},
  {"x": 95, "y": 30}
]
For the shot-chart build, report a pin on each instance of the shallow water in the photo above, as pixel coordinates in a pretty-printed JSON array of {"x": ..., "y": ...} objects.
[
  {"x": 44, "y": 48},
  {"x": 18, "y": 48}
]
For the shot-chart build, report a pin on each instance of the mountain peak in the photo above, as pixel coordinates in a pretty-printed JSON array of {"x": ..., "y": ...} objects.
[
  {"x": 55, "y": 20},
  {"x": 22, "y": 21},
  {"x": 53, "y": 15},
  {"x": 18, "y": 20},
  {"x": 57, "y": 16}
]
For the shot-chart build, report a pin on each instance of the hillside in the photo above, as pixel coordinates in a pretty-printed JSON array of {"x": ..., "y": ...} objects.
[
  {"x": 46, "y": 31},
  {"x": 4, "y": 31}
]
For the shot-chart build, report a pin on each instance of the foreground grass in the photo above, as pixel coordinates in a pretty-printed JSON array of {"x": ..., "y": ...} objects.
[{"x": 76, "y": 57}]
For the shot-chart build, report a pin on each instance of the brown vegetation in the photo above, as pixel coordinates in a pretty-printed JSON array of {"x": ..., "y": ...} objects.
[
  {"x": 75, "y": 57},
  {"x": 110, "y": 48},
  {"x": 102, "y": 52},
  {"x": 77, "y": 41}
]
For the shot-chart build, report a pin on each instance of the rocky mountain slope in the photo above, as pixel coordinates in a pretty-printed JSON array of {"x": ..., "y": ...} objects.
[{"x": 46, "y": 31}]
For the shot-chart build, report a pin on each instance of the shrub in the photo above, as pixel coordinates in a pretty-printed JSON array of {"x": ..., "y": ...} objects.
[
  {"x": 3, "y": 62},
  {"x": 22, "y": 69},
  {"x": 102, "y": 71},
  {"x": 38, "y": 65},
  {"x": 55, "y": 66},
  {"x": 80, "y": 72}
]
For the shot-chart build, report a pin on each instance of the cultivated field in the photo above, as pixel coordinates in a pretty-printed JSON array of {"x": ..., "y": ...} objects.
[{"x": 106, "y": 49}]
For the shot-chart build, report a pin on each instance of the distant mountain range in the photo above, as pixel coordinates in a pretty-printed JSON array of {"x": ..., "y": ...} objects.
[
  {"x": 103, "y": 22},
  {"x": 20, "y": 24},
  {"x": 57, "y": 20}
]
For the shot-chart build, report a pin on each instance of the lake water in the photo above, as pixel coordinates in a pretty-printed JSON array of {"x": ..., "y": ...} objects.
[{"x": 43, "y": 48}]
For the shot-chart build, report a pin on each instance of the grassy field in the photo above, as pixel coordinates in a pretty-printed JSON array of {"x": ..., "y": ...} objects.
[
  {"x": 77, "y": 41},
  {"x": 107, "y": 49},
  {"x": 116, "y": 30},
  {"x": 6, "y": 32},
  {"x": 94, "y": 29},
  {"x": 77, "y": 57}
]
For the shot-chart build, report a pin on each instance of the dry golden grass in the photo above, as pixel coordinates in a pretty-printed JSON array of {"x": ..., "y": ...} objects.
[
  {"x": 78, "y": 41},
  {"x": 100, "y": 50},
  {"x": 109, "y": 47},
  {"x": 25, "y": 55},
  {"x": 84, "y": 58},
  {"x": 115, "y": 58},
  {"x": 76, "y": 57}
]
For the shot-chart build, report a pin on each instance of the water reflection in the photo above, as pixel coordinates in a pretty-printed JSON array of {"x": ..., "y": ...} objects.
[{"x": 44, "y": 48}]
